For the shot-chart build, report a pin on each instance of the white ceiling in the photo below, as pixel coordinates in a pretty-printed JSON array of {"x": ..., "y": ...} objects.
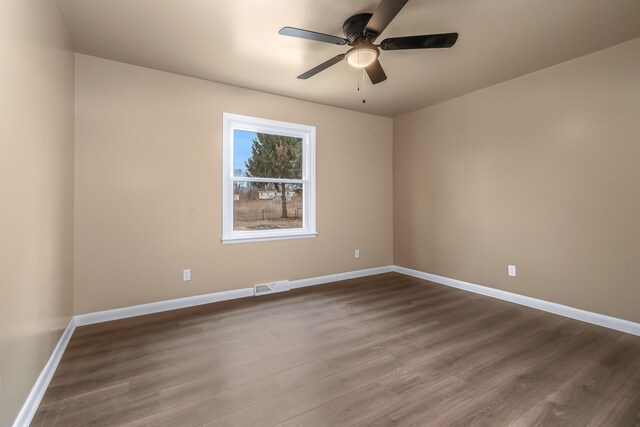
[{"x": 237, "y": 42}]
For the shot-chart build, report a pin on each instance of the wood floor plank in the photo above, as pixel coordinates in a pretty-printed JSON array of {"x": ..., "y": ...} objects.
[
  {"x": 510, "y": 393},
  {"x": 580, "y": 397},
  {"x": 621, "y": 408},
  {"x": 282, "y": 407},
  {"x": 380, "y": 350},
  {"x": 357, "y": 350},
  {"x": 381, "y": 396}
]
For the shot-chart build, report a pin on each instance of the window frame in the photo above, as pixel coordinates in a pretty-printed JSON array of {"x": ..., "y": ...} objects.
[{"x": 232, "y": 122}]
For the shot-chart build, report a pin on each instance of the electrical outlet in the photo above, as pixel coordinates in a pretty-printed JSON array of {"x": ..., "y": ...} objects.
[
  {"x": 186, "y": 275},
  {"x": 511, "y": 270},
  {"x": 357, "y": 253}
]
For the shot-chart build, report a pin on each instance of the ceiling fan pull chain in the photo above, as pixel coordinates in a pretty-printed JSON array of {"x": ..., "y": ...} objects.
[{"x": 363, "y": 84}]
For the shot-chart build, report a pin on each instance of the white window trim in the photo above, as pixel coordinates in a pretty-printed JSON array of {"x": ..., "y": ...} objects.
[{"x": 232, "y": 122}]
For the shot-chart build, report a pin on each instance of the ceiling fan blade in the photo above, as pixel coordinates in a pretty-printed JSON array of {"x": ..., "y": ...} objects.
[
  {"x": 376, "y": 73},
  {"x": 312, "y": 35},
  {"x": 315, "y": 70},
  {"x": 384, "y": 14},
  {"x": 431, "y": 41}
]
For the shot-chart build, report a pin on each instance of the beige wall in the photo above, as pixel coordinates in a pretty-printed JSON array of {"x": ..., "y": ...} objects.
[
  {"x": 36, "y": 192},
  {"x": 148, "y": 188},
  {"x": 541, "y": 172}
]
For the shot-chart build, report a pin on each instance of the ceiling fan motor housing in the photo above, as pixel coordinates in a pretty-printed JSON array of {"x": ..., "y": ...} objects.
[{"x": 353, "y": 28}]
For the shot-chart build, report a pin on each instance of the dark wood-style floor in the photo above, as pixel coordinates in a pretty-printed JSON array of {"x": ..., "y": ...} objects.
[{"x": 381, "y": 350}]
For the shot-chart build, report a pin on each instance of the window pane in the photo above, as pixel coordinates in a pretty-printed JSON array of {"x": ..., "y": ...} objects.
[
  {"x": 260, "y": 206},
  {"x": 263, "y": 155}
]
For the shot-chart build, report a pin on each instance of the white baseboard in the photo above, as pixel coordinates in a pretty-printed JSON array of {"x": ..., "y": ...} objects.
[
  {"x": 339, "y": 276},
  {"x": 174, "y": 304},
  {"x": 30, "y": 406},
  {"x": 157, "y": 307},
  {"x": 551, "y": 307}
]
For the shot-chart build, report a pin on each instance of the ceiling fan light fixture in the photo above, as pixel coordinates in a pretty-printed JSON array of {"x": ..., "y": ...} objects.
[{"x": 361, "y": 57}]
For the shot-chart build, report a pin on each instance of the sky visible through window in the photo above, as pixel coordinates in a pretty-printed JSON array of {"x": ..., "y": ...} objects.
[{"x": 242, "y": 141}]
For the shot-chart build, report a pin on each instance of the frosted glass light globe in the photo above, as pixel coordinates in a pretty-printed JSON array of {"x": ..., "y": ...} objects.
[{"x": 361, "y": 57}]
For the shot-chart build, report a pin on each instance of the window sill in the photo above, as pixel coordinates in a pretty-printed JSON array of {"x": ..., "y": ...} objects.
[{"x": 268, "y": 237}]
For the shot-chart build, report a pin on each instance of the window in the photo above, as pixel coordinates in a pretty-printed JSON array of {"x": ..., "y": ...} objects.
[{"x": 268, "y": 180}]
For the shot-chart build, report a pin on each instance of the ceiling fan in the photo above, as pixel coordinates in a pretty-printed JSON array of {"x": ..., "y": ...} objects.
[{"x": 361, "y": 31}]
